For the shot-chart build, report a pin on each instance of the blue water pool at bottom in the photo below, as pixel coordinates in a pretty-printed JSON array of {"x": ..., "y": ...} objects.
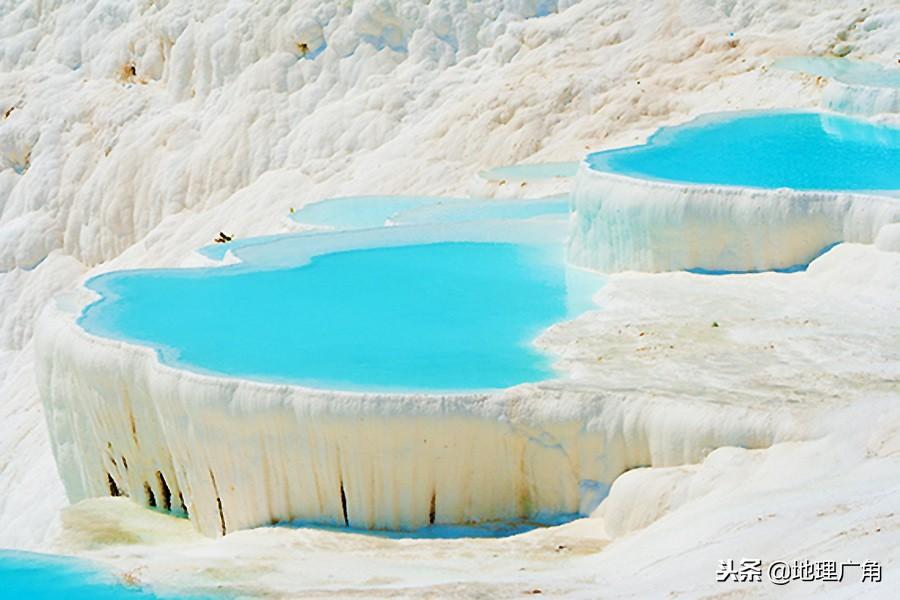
[
  {"x": 486, "y": 529},
  {"x": 29, "y": 575},
  {"x": 444, "y": 316}
]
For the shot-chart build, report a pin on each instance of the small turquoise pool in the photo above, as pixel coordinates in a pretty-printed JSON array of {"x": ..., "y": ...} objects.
[
  {"x": 485, "y": 210},
  {"x": 802, "y": 151},
  {"x": 531, "y": 172},
  {"x": 29, "y": 575},
  {"x": 365, "y": 212},
  {"x": 352, "y": 213},
  {"x": 439, "y": 316}
]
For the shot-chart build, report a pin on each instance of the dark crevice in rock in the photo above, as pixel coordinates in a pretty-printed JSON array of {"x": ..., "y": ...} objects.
[
  {"x": 433, "y": 508},
  {"x": 133, "y": 428},
  {"x": 166, "y": 493},
  {"x": 151, "y": 498},
  {"x": 218, "y": 503},
  {"x": 344, "y": 505},
  {"x": 113, "y": 488}
]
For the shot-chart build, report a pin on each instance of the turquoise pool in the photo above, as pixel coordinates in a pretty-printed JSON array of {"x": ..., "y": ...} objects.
[
  {"x": 531, "y": 172},
  {"x": 798, "y": 150},
  {"x": 364, "y": 212},
  {"x": 443, "y": 316},
  {"x": 485, "y": 210},
  {"x": 29, "y": 575},
  {"x": 352, "y": 213}
]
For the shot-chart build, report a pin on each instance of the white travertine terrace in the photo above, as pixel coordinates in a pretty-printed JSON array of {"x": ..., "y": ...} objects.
[
  {"x": 624, "y": 223},
  {"x": 856, "y": 87},
  {"x": 240, "y": 454},
  {"x": 864, "y": 100},
  {"x": 236, "y": 454}
]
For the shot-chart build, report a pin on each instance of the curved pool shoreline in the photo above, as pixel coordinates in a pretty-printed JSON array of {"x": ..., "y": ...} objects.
[
  {"x": 293, "y": 257},
  {"x": 397, "y": 318}
]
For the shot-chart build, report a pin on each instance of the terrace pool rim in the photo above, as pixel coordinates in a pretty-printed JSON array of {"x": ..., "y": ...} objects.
[{"x": 664, "y": 134}]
